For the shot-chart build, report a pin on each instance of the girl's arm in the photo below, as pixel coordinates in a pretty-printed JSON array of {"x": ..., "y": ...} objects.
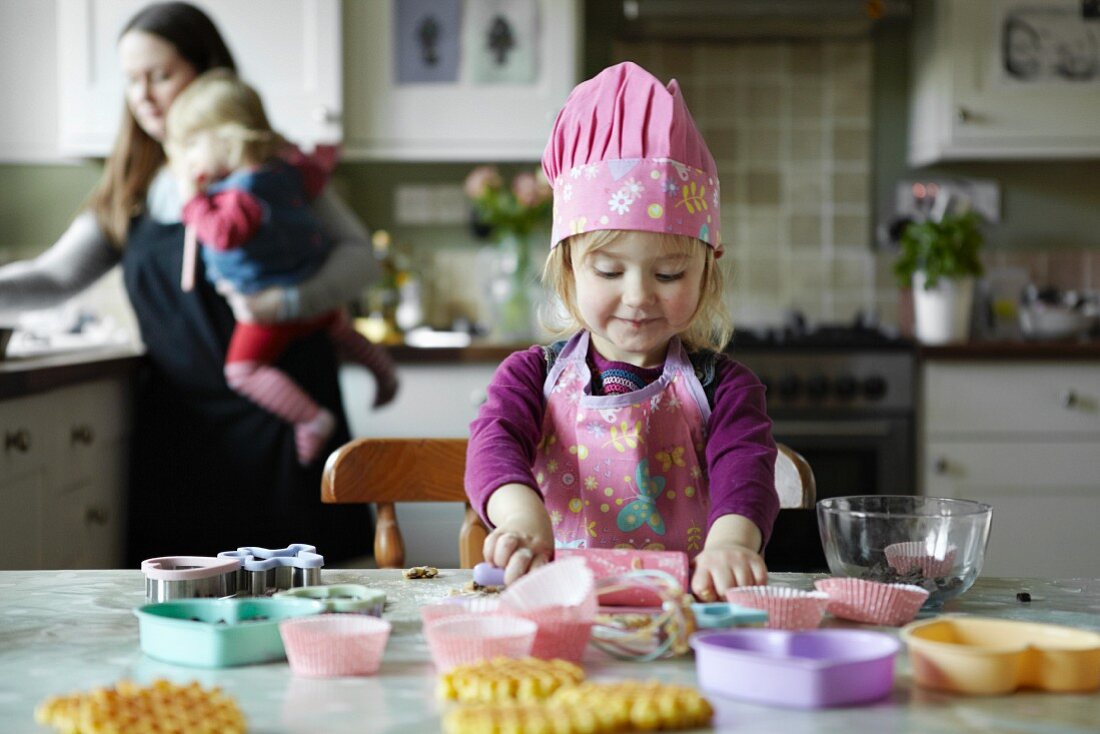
[
  {"x": 79, "y": 257},
  {"x": 741, "y": 467},
  {"x": 225, "y": 220},
  {"x": 348, "y": 269},
  {"x": 499, "y": 457}
]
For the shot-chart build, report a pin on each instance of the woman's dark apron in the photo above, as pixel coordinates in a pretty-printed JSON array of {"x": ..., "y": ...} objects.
[{"x": 211, "y": 471}]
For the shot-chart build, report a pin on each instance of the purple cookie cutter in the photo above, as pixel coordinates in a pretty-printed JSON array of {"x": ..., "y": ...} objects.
[
  {"x": 264, "y": 571},
  {"x": 809, "y": 669}
]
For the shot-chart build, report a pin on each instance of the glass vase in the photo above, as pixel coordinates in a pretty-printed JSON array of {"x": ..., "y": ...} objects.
[{"x": 512, "y": 291}]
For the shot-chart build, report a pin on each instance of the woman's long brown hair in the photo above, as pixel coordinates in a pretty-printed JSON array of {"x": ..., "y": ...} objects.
[{"x": 136, "y": 157}]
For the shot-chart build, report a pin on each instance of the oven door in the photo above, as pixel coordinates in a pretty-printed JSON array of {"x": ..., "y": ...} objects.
[{"x": 849, "y": 456}]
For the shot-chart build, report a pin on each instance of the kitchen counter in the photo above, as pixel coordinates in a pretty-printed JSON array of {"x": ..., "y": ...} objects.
[
  {"x": 64, "y": 631},
  {"x": 26, "y": 376},
  {"x": 1013, "y": 349}
]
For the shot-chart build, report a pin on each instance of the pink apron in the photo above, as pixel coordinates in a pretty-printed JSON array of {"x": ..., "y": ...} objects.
[{"x": 629, "y": 470}]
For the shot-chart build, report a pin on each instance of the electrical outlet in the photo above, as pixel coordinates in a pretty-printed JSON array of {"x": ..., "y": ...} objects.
[
  {"x": 430, "y": 204},
  {"x": 929, "y": 197}
]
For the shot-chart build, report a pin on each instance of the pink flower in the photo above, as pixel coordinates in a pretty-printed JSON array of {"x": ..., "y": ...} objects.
[{"x": 482, "y": 180}]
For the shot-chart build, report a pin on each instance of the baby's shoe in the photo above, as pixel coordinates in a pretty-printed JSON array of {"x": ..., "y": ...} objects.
[{"x": 312, "y": 435}]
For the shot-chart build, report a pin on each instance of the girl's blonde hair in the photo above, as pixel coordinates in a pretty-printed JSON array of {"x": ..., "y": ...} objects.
[
  {"x": 218, "y": 102},
  {"x": 711, "y": 326}
]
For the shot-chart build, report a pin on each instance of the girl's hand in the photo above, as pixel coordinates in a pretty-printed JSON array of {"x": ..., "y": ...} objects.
[
  {"x": 523, "y": 538},
  {"x": 261, "y": 307},
  {"x": 718, "y": 569}
]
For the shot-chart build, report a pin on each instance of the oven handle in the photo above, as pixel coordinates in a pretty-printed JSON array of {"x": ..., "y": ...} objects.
[{"x": 872, "y": 429}]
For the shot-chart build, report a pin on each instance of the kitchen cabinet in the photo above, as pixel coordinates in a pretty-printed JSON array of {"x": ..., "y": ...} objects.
[
  {"x": 1025, "y": 438},
  {"x": 436, "y": 401},
  {"x": 453, "y": 121},
  {"x": 63, "y": 475},
  {"x": 965, "y": 104},
  {"x": 290, "y": 50}
]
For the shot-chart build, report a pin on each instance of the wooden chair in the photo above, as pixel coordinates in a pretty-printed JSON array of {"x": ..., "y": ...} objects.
[{"x": 385, "y": 471}]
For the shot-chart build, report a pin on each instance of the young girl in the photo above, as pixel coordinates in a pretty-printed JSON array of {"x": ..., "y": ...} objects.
[
  {"x": 249, "y": 207},
  {"x": 634, "y": 433}
]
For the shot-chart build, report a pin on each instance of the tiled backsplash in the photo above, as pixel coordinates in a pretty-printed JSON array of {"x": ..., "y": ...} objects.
[{"x": 789, "y": 124}]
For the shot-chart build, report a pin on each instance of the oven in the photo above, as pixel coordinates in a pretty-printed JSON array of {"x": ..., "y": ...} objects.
[{"x": 847, "y": 405}]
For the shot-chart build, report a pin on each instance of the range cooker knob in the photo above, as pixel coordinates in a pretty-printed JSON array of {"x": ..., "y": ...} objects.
[
  {"x": 874, "y": 387},
  {"x": 845, "y": 387},
  {"x": 790, "y": 386},
  {"x": 817, "y": 386}
]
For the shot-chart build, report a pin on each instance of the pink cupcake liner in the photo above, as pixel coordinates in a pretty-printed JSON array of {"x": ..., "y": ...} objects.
[
  {"x": 563, "y": 632},
  {"x": 468, "y": 638},
  {"x": 872, "y": 602},
  {"x": 904, "y": 557},
  {"x": 430, "y": 613},
  {"x": 788, "y": 609},
  {"x": 330, "y": 645},
  {"x": 565, "y": 583}
]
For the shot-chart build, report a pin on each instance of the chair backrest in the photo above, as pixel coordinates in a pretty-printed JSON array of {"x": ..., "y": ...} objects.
[{"x": 385, "y": 471}]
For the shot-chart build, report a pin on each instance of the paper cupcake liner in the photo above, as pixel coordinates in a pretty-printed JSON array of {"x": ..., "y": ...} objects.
[
  {"x": 904, "y": 557},
  {"x": 872, "y": 602},
  {"x": 466, "y": 639},
  {"x": 565, "y": 583},
  {"x": 430, "y": 613},
  {"x": 334, "y": 644},
  {"x": 563, "y": 632},
  {"x": 788, "y": 609}
]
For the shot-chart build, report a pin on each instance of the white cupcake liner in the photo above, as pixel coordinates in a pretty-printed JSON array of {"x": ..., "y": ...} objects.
[
  {"x": 788, "y": 609},
  {"x": 872, "y": 602}
]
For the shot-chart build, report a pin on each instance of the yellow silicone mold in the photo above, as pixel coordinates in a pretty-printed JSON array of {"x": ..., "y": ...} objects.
[{"x": 995, "y": 656}]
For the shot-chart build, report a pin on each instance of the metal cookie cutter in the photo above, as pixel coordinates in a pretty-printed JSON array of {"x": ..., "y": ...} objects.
[
  {"x": 265, "y": 571},
  {"x": 190, "y": 577}
]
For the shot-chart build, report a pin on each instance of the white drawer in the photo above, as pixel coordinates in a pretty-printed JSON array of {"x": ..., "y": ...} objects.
[{"x": 1024, "y": 398}]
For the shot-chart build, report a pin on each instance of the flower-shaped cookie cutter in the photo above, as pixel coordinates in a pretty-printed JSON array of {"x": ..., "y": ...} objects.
[{"x": 265, "y": 571}]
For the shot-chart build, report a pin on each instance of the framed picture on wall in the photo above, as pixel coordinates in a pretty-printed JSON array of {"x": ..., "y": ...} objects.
[{"x": 1047, "y": 43}]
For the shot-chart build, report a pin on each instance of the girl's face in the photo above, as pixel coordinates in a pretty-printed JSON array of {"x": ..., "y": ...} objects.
[
  {"x": 155, "y": 73},
  {"x": 203, "y": 157},
  {"x": 634, "y": 295}
]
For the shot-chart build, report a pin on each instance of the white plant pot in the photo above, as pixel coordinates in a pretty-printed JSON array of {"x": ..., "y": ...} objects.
[{"x": 942, "y": 313}]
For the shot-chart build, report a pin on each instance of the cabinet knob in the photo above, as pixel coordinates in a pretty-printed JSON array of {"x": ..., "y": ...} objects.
[
  {"x": 19, "y": 440},
  {"x": 96, "y": 516},
  {"x": 1070, "y": 399},
  {"x": 82, "y": 434},
  {"x": 963, "y": 115},
  {"x": 326, "y": 115},
  {"x": 941, "y": 466}
]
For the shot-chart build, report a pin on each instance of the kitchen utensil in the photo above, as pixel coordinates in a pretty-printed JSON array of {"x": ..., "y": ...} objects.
[
  {"x": 810, "y": 669},
  {"x": 334, "y": 645},
  {"x": 189, "y": 577},
  {"x": 466, "y": 638},
  {"x": 217, "y": 633},
  {"x": 487, "y": 575},
  {"x": 987, "y": 656},
  {"x": 265, "y": 571},
  {"x": 644, "y": 633},
  {"x": 348, "y": 598},
  {"x": 868, "y": 537},
  {"x": 788, "y": 609},
  {"x": 721, "y": 615}
]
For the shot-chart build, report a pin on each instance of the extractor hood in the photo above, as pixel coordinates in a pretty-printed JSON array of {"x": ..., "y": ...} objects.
[{"x": 748, "y": 19}]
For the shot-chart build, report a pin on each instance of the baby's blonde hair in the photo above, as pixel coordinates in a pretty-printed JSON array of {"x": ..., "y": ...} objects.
[
  {"x": 711, "y": 325},
  {"x": 219, "y": 102}
]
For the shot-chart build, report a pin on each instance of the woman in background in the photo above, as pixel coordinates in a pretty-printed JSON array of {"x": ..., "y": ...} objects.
[{"x": 210, "y": 470}]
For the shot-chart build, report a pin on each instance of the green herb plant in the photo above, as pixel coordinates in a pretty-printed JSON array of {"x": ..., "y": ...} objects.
[{"x": 944, "y": 249}]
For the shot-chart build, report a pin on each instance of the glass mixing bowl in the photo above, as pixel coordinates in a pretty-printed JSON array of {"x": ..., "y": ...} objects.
[{"x": 932, "y": 542}]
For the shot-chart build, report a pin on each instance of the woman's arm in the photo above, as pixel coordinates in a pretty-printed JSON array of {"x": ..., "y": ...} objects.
[
  {"x": 79, "y": 257},
  {"x": 349, "y": 268}
]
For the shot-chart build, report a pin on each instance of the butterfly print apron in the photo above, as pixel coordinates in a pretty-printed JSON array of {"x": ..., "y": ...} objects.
[{"x": 626, "y": 470}]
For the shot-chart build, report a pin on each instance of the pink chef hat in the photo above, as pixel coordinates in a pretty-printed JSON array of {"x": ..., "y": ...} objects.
[{"x": 625, "y": 154}]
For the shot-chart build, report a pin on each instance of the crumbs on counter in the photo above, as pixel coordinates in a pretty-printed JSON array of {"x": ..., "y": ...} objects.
[
  {"x": 421, "y": 572},
  {"x": 162, "y": 706},
  {"x": 1023, "y": 596}
]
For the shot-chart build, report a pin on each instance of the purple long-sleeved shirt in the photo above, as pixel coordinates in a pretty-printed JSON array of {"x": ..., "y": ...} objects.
[{"x": 740, "y": 451}]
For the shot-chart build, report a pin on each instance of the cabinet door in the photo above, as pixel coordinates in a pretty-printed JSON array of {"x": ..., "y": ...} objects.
[
  {"x": 21, "y": 518},
  {"x": 968, "y": 105},
  {"x": 453, "y": 121},
  {"x": 289, "y": 49},
  {"x": 28, "y": 127},
  {"x": 1045, "y": 498}
]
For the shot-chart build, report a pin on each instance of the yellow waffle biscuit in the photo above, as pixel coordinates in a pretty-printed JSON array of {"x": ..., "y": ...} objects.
[
  {"x": 644, "y": 705},
  {"x": 161, "y": 708},
  {"x": 528, "y": 718},
  {"x": 508, "y": 679}
]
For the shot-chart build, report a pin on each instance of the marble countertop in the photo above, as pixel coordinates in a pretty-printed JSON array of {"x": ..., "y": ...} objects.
[{"x": 65, "y": 631}]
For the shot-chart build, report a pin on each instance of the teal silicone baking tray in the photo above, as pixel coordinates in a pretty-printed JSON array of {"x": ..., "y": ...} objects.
[{"x": 218, "y": 633}]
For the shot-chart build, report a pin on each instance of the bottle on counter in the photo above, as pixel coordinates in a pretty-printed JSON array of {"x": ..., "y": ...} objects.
[{"x": 380, "y": 324}]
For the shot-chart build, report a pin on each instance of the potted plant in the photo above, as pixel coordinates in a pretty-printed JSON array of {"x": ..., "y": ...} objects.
[{"x": 939, "y": 259}]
